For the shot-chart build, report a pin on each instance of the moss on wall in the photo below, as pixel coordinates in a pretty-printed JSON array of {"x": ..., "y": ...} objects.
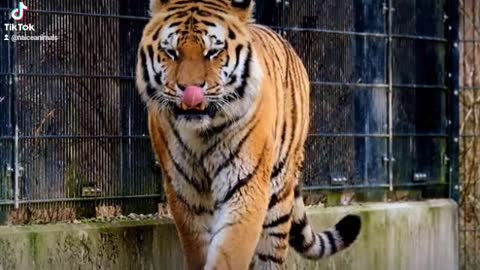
[{"x": 419, "y": 235}]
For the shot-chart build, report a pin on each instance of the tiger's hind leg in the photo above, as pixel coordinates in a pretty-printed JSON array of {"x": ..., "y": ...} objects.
[{"x": 272, "y": 249}]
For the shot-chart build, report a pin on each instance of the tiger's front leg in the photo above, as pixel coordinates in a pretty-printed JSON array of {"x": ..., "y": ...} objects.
[
  {"x": 241, "y": 206},
  {"x": 192, "y": 231}
]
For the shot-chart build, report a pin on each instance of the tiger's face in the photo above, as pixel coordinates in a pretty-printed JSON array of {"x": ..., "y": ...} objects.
[{"x": 196, "y": 61}]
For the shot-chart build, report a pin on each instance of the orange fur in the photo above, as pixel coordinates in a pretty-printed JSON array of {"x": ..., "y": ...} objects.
[{"x": 231, "y": 172}]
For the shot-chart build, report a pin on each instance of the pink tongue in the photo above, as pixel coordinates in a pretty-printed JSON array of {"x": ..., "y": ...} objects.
[{"x": 193, "y": 96}]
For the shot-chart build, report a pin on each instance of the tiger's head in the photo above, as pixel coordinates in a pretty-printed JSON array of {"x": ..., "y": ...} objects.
[{"x": 196, "y": 61}]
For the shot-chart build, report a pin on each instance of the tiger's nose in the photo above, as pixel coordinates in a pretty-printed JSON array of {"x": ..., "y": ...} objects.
[
  {"x": 183, "y": 86},
  {"x": 193, "y": 97}
]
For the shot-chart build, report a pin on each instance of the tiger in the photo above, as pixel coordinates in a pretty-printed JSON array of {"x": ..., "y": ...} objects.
[{"x": 228, "y": 118}]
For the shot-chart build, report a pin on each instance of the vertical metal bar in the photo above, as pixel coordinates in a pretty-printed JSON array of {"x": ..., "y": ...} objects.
[
  {"x": 282, "y": 18},
  {"x": 17, "y": 169},
  {"x": 454, "y": 127},
  {"x": 390, "y": 159},
  {"x": 15, "y": 154},
  {"x": 9, "y": 91},
  {"x": 453, "y": 62}
]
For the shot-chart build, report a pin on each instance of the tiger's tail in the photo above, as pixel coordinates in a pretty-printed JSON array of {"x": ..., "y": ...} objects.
[{"x": 316, "y": 245}]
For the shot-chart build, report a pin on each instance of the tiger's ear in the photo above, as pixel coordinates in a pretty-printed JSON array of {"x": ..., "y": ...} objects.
[
  {"x": 156, "y": 5},
  {"x": 243, "y": 9}
]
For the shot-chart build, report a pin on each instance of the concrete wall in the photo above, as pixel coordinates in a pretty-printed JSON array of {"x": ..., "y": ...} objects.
[{"x": 410, "y": 236}]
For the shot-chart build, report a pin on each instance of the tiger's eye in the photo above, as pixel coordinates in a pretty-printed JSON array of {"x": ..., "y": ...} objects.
[
  {"x": 171, "y": 53},
  {"x": 212, "y": 53}
]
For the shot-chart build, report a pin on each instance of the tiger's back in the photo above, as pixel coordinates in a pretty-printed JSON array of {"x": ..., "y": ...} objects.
[
  {"x": 228, "y": 106},
  {"x": 291, "y": 90}
]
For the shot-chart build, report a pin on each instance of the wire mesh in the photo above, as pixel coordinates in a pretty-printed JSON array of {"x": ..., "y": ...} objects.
[
  {"x": 82, "y": 127},
  {"x": 356, "y": 90},
  {"x": 373, "y": 64}
]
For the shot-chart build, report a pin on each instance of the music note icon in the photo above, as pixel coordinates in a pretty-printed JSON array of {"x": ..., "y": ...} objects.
[{"x": 18, "y": 13}]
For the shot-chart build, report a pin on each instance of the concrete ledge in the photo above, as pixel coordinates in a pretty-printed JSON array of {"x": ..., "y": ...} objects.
[
  {"x": 410, "y": 236},
  {"x": 394, "y": 236}
]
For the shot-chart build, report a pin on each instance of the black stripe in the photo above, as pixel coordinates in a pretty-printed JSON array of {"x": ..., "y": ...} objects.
[
  {"x": 278, "y": 235},
  {"x": 236, "y": 28},
  {"x": 177, "y": 14},
  {"x": 209, "y": 150},
  {"x": 211, "y": 6},
  {"x": 197, "y": 209},
  {"x": 238, "y": 50},
  {"x": 278, "y": 197},
  {"x": 235, "y": 153},
  {"x": 270, "y": 46},
  {"x": 297, "y": 191},
  {"x": 271, "y": 258},
  {"x": 189, "y": 180},
  {"x": 278, "y": 168},
  {"x": 143, "y": 61},
  {"x": 207, "y": 23},
  {"x": 179, "y": 5},
  {"x": 155, "y": 35},
  {"x": 244, "y": 181},
  {"x": 150, "y": 53},
  {"x": 282, "y": 138},
  {"x": 201, "y": 12},
  {"x": 322, "y": 246},
  {"x": 241, "y": 4},
  {"x": 278, "y": 39},
  {"x": 331, "y": 241},
  {"x": 175, "y": 24},
  {"x": 180, "y": 170},
  {"x": 183, "y": 9},
  {"x": 293, "y": 116},
  {"x": 179, "y": 139},
  {"x": 177, "y": 166},
  {"x": 215, "y": 130},
  {"x": 150, "y": 90},
  {"x": 182, "y": 2},
  {"x": 240, "y": 91},
  {"x": 297, "y": 238},
  {"x": 217, "y": 141},
  {"x": 233, "y": 80},
  {"x": 281, "y": 220},
  {"x": 231, "y": 34},
  {"x": 158, "y": 78},
  {"x": 227, "y": 57},
  {"x": 273, "y": 201},
  {"x": 294, "y": 107},
  {"x": 204, "y": 184},
  {"x": 215, "y": 3},
  {"x": 208, "y": 14}
]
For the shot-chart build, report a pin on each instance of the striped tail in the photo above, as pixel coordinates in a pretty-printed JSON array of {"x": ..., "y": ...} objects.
[{"x": 313, "y": 245}]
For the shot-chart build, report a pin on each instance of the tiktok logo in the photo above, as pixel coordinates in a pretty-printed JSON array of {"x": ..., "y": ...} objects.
[{"x": 18, "y": 13}]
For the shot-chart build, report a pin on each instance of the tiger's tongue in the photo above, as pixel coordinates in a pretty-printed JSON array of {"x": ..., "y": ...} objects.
[{"x": 193, "y": 96}]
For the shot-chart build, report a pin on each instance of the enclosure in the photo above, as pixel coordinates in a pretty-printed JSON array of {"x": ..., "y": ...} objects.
[{"x": 394, "y": 107}]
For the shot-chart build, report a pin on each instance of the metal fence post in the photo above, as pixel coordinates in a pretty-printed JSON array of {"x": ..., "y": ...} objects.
[
  {"x": 17, "y": 169},
  {"x": 453, "y": 81},
  {"x": 16, "y": 161},
  {"x": 389, "y": 159}
]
